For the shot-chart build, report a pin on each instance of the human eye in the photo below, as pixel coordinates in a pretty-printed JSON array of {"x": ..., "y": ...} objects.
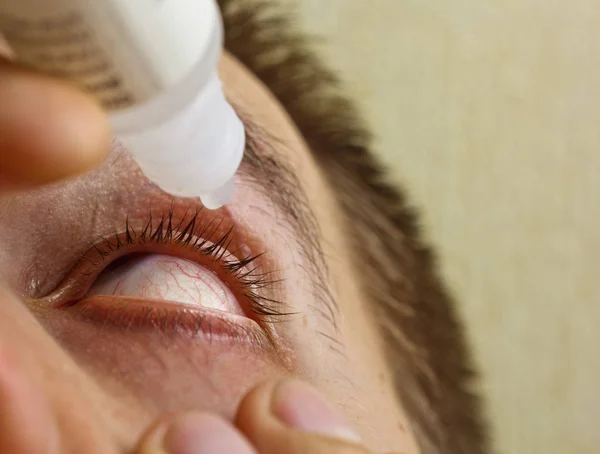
[{"x": 190, "y": 273}]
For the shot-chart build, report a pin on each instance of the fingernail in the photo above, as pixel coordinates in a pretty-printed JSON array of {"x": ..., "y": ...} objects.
[
  {"x": 199, "y": 433},
  {"x": 301, "y": 406}
]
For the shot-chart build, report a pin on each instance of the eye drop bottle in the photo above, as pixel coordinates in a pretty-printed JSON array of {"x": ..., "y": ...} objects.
[{"x": 153, "y": 65}]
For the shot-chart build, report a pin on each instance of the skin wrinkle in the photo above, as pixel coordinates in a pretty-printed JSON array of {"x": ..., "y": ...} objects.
[
  {"x": 264, "y": 166},
  {"x": 274, "y": 177}
]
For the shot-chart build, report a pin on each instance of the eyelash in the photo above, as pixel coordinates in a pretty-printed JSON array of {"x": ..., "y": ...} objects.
[{"x": 197, "y": 236}]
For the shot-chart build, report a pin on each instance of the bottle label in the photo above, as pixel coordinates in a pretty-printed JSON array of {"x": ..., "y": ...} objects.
[
  {"x": 122, "y": 51},
  {"x": 63, "y": 45}
]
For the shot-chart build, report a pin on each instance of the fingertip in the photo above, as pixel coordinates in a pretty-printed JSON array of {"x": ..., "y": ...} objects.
[
  {"x": 295, "y": 404},
  {"x": 195, "y": 433},
  {"x": 291, "y": 416},
  {"x": 254, "y": 413},
  {"x": 49, "y": 129},
  {"x": 301, "y": 406}
]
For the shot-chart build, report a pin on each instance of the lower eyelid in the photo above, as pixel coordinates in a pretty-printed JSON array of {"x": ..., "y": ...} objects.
[
  {"x": 133, "y": 317},
  {"x": 72, "y": 296}
]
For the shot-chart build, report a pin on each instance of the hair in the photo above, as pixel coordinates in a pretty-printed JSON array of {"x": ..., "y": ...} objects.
[{"x": 424, "y": 339}]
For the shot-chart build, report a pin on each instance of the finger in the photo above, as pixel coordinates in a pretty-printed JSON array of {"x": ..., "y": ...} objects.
[
  {"x": 48, "y": 129},
  {"x": 194, "y": 433},
  {"x": 26, "y": 422},
  {"x": 292, "y": 417},
  {"x": 76, "y": 405}
]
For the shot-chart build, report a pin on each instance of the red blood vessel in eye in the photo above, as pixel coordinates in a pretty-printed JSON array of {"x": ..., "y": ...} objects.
[{"x": 166, "y": 278}]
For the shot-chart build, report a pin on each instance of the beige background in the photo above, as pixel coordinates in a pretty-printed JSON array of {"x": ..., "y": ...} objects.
[{"x": 488, "y": 111}]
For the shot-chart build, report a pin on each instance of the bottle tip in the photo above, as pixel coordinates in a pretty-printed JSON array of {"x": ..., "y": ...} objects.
[{"x": 219, "y": 197}]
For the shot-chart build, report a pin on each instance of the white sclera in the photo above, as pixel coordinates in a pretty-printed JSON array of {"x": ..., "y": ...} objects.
[{"x": 169, "y": 279}]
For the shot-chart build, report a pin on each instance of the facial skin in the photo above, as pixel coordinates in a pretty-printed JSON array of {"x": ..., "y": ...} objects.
[{"x": 135, "y": 357}]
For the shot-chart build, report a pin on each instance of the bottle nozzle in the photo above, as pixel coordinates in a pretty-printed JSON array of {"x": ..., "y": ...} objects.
[{"x": 219, "y": 197}]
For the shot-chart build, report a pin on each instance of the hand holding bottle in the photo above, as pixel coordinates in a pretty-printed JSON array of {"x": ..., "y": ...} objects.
[{"x": 48, "y": 129}]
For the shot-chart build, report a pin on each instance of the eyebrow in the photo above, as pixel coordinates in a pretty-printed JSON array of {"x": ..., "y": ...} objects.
[{"x": 265, "y": 167}]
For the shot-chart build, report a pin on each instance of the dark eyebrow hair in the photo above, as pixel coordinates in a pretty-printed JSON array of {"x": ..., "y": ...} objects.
[{"x": 266, "y": 168}]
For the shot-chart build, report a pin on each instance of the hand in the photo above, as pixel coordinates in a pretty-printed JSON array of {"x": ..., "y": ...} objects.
[
  {"x": 48, "y": 129},
  {"x": 286, "y": 417}
]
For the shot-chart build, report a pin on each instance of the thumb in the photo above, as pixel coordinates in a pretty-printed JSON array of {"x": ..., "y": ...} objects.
[
  {"x": 292, "y": 417},
  {"x": 48, "y": 128}
]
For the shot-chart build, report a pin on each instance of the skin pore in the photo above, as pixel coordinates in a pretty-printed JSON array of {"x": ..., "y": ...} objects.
[{"x": 326, "y": 334}]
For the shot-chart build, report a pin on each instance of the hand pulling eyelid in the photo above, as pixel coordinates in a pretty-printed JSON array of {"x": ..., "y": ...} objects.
[{"x": 153, "y": 65}]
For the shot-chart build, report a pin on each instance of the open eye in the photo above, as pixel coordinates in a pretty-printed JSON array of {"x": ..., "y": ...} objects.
[
  {"x": 173, "y": 273},
  {"x": 178, "y": 256}
]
